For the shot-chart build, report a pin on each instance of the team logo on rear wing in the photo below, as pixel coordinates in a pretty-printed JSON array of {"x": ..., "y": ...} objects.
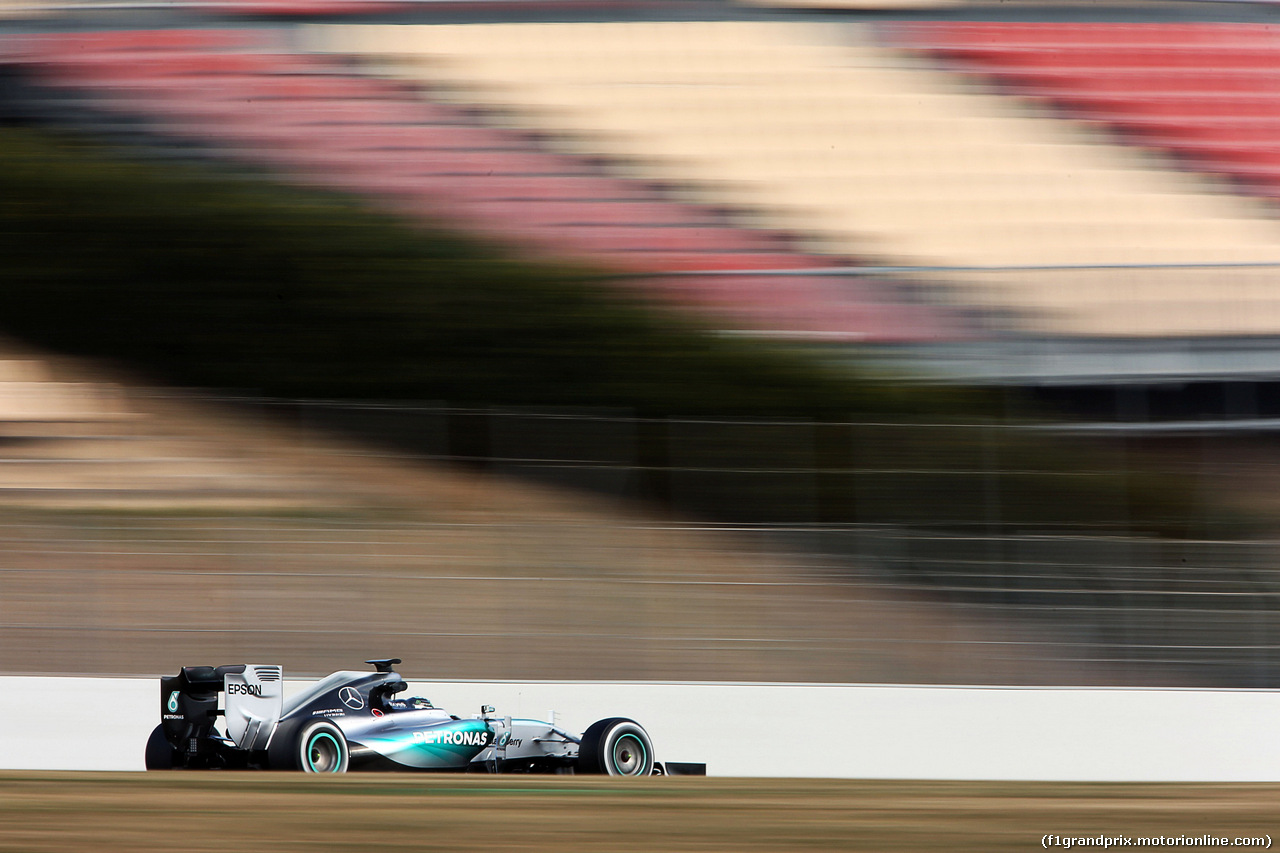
[{"x": 254, "y": 701}]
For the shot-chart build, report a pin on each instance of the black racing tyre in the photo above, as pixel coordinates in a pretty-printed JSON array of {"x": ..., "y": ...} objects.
[
  {"x": 616, "y": 747},
  {"x": 160, "y": 755},
  {"x": 320, "y": 747}
]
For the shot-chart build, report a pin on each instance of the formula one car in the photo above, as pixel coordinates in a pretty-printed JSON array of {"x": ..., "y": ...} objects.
[{"x": 353, "y": 721}]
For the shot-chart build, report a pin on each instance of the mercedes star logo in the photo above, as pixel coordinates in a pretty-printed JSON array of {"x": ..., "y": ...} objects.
[{"x": 351, "y": 698}]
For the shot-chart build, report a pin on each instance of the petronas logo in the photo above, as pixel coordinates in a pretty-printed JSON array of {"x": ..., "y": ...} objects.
[{"x": 173, "y": 702}]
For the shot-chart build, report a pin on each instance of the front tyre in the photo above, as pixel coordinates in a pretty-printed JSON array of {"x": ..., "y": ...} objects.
[
  {"x": 160, "y": 755},
  {"x": 321, "y": 748},
  {"x": 616, "y": 747}
]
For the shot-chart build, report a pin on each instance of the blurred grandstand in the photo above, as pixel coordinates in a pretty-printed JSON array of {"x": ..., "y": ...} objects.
[
  {"x": 1081, "y": 211},
  {"x": 946, "y": 188}
]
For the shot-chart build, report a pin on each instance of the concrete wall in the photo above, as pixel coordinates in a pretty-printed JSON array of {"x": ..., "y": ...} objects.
[{"x": 852, "y": 731}]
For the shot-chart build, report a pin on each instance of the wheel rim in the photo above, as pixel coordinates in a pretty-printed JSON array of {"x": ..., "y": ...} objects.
[
  {"x": 324, "y": 755},
  {"x": 629, "y": 755}
]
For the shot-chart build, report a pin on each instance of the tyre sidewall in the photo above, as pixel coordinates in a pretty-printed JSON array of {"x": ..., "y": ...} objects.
[
  {"x": 596, "y": 752},
  {"x": 319, "y": 729}
]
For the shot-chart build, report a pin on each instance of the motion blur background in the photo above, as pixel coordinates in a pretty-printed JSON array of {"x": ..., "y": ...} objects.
[{"x": 887, "y": 341}]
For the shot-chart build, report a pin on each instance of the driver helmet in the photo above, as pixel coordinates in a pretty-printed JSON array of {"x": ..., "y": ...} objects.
[{"x": 381, "y": 695}]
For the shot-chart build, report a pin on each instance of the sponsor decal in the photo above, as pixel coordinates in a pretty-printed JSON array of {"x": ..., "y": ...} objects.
[
  {"x": 376, "y": 712},
  {"x": 174, "y": 717},
  {"x": 351, "y": 698},
  {"x": 454, "y": 738},
  {"x": 237, "y": 689},
  {"x": 173, "y": 702},
  {"x": 329, "y": 712}
]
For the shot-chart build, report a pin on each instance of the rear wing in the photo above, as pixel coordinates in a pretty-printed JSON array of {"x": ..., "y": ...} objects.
[{"x": 253, "y": 701}]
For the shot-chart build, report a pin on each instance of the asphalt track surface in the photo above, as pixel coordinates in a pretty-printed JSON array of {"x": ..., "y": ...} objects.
[{"x": 113, "y": 813}]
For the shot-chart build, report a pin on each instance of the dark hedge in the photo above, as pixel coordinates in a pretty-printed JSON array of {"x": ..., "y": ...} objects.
[
  {"x": 208, "y": 279},
  {"x": 198, "y": 275}
]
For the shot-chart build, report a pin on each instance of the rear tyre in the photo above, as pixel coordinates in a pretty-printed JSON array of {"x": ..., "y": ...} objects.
[
  {"x": 160, "y": 755},
  {"x": 616, "y": 747},
  {"x": 321, "y": 748}
]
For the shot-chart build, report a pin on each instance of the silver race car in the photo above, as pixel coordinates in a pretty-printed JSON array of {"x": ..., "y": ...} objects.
[{"x": 354, "y": 720}]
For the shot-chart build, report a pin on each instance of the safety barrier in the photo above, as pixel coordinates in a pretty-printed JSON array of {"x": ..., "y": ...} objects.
[{"x": 780, "y": 730}]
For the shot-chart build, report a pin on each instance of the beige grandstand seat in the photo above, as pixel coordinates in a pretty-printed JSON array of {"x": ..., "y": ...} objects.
[
  {"x": 816, "y": 130},
  {"x": 25, "y": 9}
]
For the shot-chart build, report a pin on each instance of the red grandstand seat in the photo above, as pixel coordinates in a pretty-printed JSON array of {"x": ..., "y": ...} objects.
[
  {"x": 846, "y": 309},
  {"x": 625, "y": 238},
  {"x": 69, "y": 45},
  {"x": 1209, "y": 92},
  {"x": 475, "y": 165},
  {"x": 562, "y": 187},
  {"x": 307, "y": 8},
  {"x": 423, "y": 131},
  {"x": 1144, "y": 82},
  {"x": 587, "y": 212},
  {"x": 316, "y": 123},
  {"x": 308, "y": 87},
  {"x": 1208, "y": 107},
  {"x": 656, "y": 260},
  {"x": 170, "y": 63},
  {"x": 1063, "y": 36}
]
